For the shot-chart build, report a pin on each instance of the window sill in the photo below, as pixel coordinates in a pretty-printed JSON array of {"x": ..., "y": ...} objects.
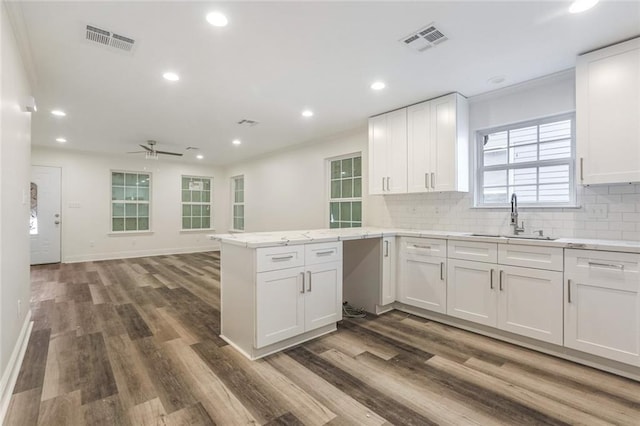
[
  {"x": 236, "y": 231},
  {"x": 129, "y": 233},
  {"x": 196, "y": 231},
  {"x": 508, "y": 207}
]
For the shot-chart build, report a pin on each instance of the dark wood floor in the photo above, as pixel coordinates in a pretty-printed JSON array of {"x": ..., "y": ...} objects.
[{"x": 135, "y": 342}]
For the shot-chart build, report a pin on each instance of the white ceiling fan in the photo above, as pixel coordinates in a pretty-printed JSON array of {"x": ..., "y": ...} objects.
[{"x": 150, "y": 151}]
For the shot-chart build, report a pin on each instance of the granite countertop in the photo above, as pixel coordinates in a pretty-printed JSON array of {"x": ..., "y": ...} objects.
[{"x": 276, "y": 238}]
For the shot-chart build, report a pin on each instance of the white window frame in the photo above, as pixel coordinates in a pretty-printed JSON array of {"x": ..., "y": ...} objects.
[
  {"x": 201, "y": 203},
  {"x": 125, "y": 201},
  {"x": 234, "y": 203},
  {"x": 351, "y": 199},
  {"x": 570, "y": 161}
]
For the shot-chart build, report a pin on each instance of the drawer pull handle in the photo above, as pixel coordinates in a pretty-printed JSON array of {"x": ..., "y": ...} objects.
[
  {"x": 324, "y": 253},
  {"x": 501, "y": 273},
  {"x": 491, "y": 279},
  {"x": 309, "y": 288},
  {"x": 283, "y": 257},
  {"x": 302, "y": 291},
  {"x": 607, "y": 265},
  {"x": 421, "y": 247},
  {"x": 569, "y": 291},
  {"x": 441, "y": 271}
]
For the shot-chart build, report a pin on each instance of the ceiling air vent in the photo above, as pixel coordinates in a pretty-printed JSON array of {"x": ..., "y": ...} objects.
[
  {"x": 247, "y": 123},
  {"x": 107, "y": 38},
  {"x": 423, "y": 39}
]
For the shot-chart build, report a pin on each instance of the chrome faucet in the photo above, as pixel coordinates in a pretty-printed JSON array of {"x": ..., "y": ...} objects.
[{"x": 514, "y": 215}]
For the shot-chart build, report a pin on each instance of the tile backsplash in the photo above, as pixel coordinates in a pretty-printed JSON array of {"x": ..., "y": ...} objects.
[{"x": 610, "y": 212}]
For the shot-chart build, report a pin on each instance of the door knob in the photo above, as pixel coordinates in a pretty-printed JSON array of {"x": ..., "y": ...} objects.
[
  {"x": 57, "y": 222},
  {"x": 57, "y": 215}
]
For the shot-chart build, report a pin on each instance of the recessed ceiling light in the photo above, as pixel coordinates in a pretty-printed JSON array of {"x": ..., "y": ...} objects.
[
  {"x": 378, "y": 85},
  {"x": 497, "y": 79},
  {"x": 217, "y": 19},
  {"x": 236, "y": 141},
  {"x": 58, "y": 113},
  {"x": 581, "y": 5},
  {"x": 199, "y": 156},
  {"x": 61, "y": 140},
  {"x": 307, "y": 113},
  {"x": 171, "y": 76}
]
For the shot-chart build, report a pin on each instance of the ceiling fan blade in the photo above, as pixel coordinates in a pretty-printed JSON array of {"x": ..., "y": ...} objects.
[
  {"x": 135, "y": 152},
  {"x": 146, "y": 148},
  {"x": 170, "y": 153}
]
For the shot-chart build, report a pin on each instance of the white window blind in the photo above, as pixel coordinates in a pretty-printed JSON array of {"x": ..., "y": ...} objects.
[{"x": 535, "y": 160}]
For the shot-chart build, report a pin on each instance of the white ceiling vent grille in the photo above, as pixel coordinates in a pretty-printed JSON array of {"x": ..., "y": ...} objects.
[
  {"x": 107, "y": 38},
  {"x": 425, "y": 38},
  {"x": 247, "y": 123}
]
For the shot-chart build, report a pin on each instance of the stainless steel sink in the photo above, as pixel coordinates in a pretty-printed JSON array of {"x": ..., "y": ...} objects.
[{"x": 522, "y": 237}]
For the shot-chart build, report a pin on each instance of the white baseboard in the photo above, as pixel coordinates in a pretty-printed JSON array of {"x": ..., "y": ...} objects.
[
  {"x": 138, "y": 253},
  {"x": 10, "y": 374}
]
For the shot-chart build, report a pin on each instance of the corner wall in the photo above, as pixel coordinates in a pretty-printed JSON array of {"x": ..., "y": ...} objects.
[
  {"x": 15, "y": 146},
  {"x": 86, "y": 206}
]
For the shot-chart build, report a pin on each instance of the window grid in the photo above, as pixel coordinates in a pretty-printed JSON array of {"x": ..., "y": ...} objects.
[
  {"x": 535, "y": 159},
  {"x": 345, "y": 199},
  {"x": 196, "y": 202},
  {"x": 130, "y": 194},
  {"x": 238, "y": 203}
]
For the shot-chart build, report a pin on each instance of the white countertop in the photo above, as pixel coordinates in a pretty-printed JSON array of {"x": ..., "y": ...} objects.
[{"x": 276, "y": 238}]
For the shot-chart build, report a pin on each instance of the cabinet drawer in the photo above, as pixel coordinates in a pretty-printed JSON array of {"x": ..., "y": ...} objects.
[
  {"x": 272, "y": 258},
  {"x": 602, "y": 264},
  {"x": 473, "y": 250},
  {"x": 323, "y": 252},
  {"x": 531, "y": 256},
  {"x": 423, "y": 246}
]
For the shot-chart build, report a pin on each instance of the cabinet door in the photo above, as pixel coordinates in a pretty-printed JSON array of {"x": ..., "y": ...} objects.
[
  {"x": 388, "y": 291},
  {"x": 397, "y": 152},
  {"x": 323, "y": 295},
  {"x": 471, "y": 291},
  {"x": 419, "y": 147},
  {"x": 279, "y": 305},
  {"x": 449, "y": 144},
  {"x": 378, "y": 142},
  {"x": 602, "y": 312},
  {"x": 423, "y": 283},
  {"x": 607, "y": 111},
  {"x": 530, "y": 303}
]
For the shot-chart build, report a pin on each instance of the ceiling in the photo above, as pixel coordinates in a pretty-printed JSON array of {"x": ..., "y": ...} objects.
[{"x": 275, "y": 59}]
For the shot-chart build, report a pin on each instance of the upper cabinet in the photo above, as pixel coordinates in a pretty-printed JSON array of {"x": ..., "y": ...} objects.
[
  {"x": 388, "y": 153},
  {"x": 608, "y": 114},
  {"x": 421, "y": 148}
]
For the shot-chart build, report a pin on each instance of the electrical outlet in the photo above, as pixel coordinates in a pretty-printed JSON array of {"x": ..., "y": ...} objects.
[
  {"x": 596, "y": 211},
  {"x": 91, "y": 243}
]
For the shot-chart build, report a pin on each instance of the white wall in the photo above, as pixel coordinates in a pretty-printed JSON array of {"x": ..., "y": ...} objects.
[
  {"x": 607, "y": 211},
  {"x": 15, "y": 135},
  {"x": 289, "y": 189},
  {"x": 86, "y": 204}
]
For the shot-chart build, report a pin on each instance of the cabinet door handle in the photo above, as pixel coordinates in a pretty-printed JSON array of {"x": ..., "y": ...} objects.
[
  {"x": 433, "y": 180},
  {"x": 426, "y": 180},
  {"x": 607, "y": 265},
  {"x": 309, "y": 288},
  {"x": 386, "y": 249},
  {"x": 302, "y": 291},
  {"x": 491, "y": 279},
  {"x": 501, "y": 273},
  {"x": 569, "y": 290},
  {"x": 388, "y": 179},
  {"x": 581, "y": 168},
  {"x": 441, "y": 271},
  {"x": 383, "y": 184},
  {"x": 283, "y": 257}
]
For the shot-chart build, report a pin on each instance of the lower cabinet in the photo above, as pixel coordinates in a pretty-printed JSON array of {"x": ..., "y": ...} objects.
[
  {"x": 602, "y": 304},
  {"x": 422, "y": 274},
  {"x": 519, "y": 300},
  {"x": 293, "y": 301},
  {"x": 388, "y": 285}
]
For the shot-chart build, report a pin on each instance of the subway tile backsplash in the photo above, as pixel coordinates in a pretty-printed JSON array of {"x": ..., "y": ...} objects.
[{"x": 610, "y": 212}]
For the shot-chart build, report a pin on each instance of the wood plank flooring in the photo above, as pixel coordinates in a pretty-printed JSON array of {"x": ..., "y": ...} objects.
[{"x": 135, "y": 342}]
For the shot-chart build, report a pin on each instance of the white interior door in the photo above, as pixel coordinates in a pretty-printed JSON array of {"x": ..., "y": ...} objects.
[{"x": 45, "y": 223}]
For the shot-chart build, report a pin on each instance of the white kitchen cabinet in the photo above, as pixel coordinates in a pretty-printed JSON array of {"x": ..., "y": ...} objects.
[
  {"x": 471, "y": 291},
  {"x": 388, "y": 286},
  {"x": 602, "y": 304},
  {"x": 530, "y": 303},
  {"x": 437, "y": 145},
  {"x": 607, "y": 111},
  {"x": 276, "y": 297},
  {"x": 422, "y": 273},
  {"x": 388, "y": 153}
]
